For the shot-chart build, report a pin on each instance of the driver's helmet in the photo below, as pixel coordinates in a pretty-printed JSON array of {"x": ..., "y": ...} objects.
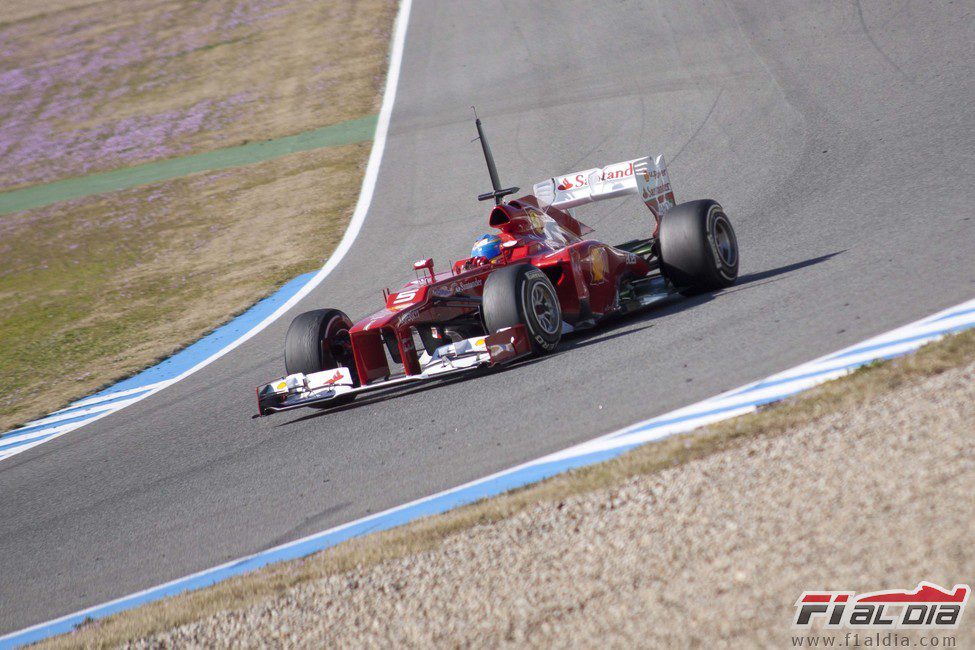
[{"x": 487, "y": 246}]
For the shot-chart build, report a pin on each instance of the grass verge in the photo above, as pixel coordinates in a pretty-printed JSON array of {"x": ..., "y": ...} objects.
[
  {"x": 39, "y": 196},
  {"x": 852, "y": 391},
  {"x": 97, "y": 288},
  {"x": 93, "y": 86}
]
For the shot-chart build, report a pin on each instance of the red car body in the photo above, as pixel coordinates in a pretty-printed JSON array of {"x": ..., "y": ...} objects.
[
  {"x": 586, "y": 275},
  {"x": 549, "y": 279}
]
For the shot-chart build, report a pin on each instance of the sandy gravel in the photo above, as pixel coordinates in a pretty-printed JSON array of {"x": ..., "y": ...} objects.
[{"x": 711, "y": 554}]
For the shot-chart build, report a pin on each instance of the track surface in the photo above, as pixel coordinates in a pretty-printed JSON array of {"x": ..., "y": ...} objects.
[{"x": 838, "y": 139}]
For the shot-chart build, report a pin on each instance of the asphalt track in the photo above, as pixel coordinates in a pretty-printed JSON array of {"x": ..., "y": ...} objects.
[{"x": 839, "y": 140}]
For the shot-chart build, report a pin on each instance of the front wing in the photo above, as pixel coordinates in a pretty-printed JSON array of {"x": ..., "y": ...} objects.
[{"x": 320, "y": 388}]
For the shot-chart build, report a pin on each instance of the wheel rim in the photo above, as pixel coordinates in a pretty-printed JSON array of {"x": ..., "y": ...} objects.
[
  {"x": 336, "y": 340},
  {"x": 341, "y": 346},
  {"x": 724, "y": 241},
  {"x": 546, "y": 309}
]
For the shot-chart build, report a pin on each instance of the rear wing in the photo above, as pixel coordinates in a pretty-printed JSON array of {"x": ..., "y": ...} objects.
[{"x": 645, "y": 176}]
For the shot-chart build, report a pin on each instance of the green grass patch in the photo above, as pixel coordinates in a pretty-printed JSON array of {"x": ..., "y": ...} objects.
[{"x": 359, "y": 130}]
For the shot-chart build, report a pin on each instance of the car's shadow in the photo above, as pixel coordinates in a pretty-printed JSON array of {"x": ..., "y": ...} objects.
[
  {"x": 607, "y": 331},
  {"x": 674, "y": 304},
  {"x": 762, "y": 277}
]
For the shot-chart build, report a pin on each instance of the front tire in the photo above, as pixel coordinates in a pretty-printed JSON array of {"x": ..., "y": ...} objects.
[
  {"x": 522, "y": 294},
  {"x": 318, "y": 340},
  {"x": 698, "y": 247}
]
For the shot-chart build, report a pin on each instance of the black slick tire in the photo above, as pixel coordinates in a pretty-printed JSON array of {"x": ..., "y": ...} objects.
[
  {"x": 698, "y": 247},
  {"x": 522, "y": 294}
]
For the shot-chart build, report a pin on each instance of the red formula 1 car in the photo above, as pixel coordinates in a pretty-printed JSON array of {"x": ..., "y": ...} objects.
[{"x": 549, "y": 278}]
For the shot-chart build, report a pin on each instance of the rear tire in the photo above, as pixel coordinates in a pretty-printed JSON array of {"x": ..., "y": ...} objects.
[
  {"x": 698, "y": 247},
  {"x": 316, "y": 341},
  {"x": 522, "y": 294}
]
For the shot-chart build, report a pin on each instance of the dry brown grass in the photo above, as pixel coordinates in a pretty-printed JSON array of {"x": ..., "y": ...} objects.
[
  {"x": 115, "y": 83},
  {"x": 98, "y": 288},
  {"x": 238, "y": 593},
  {"x": 95, "y": 289},
  {"x": 16, "y": 10}
]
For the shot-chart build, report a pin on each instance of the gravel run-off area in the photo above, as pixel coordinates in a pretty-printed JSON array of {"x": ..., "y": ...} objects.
[{"x": 712, "y": 553}]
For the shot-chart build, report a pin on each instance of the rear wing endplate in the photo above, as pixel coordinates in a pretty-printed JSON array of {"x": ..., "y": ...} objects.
[{"x": 645, "y": 176}]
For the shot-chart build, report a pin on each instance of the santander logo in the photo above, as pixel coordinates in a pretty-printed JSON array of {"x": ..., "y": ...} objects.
[{"x": 610, "y": 173}]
